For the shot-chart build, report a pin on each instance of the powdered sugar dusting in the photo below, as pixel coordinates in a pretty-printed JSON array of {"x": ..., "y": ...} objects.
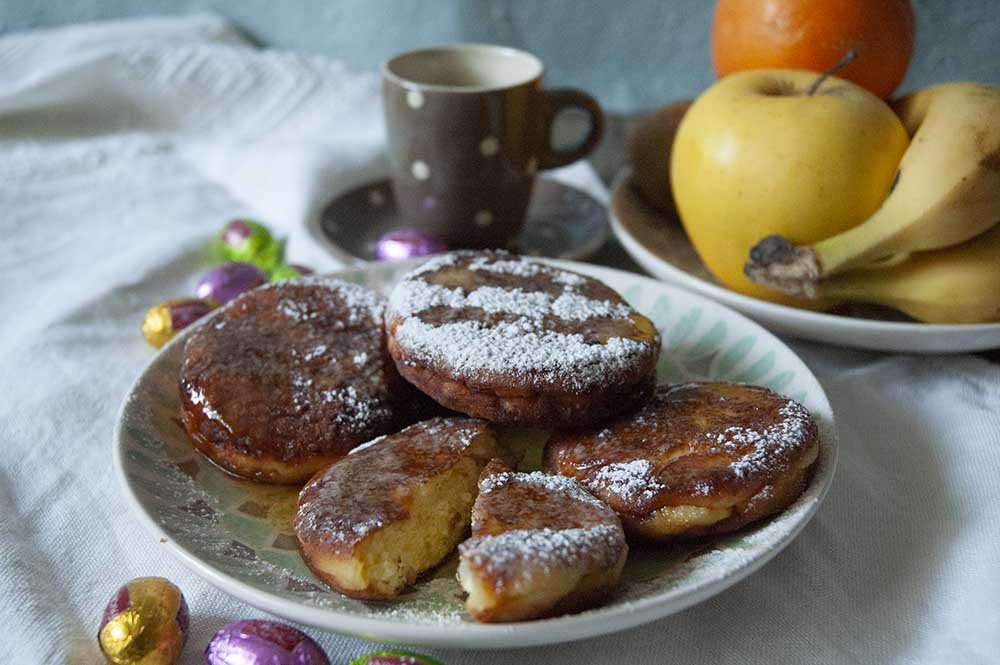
[
  {"x": 762, "y": 447},
  {"x": 575, "y": 307},
  {"x": 295, "y": 310},
  {"x": 359, "y": 303},
  {"x": 356, "y": 297},
  {"x": 357, "y": 408},
  {"x": 630, "y": 480},
  {"x": 524, "y": 268},
  {"x": 414, "y": 295},
  {"x": 469, "y": 348},
  {"x": 545, "y": 481},
  {"x": 419, "y": 296},
  {"x": 436, "y": 263},
  {"x": 510, "y": 301},
  {"x": 527, "y": 553}
]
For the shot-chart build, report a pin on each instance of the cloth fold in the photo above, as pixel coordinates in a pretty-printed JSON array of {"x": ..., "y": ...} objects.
[{"x": 124, "y": 146}]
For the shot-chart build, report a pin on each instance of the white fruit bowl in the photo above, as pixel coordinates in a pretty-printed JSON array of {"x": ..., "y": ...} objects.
[{"x": 657, "y": 242}]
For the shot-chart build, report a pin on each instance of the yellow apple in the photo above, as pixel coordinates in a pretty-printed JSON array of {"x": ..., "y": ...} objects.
[{"x": 758, "y": 155}]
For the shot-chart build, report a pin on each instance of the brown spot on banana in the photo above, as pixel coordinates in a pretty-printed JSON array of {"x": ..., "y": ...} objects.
[
  {"x": 991, "y": 161},
  {"x": 895, "y": 181},
  {"x": 777, "y": 264}
]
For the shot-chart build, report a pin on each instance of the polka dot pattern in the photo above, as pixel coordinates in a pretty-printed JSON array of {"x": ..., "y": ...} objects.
[
  {"x": 415, "y": 99},
  {"x": 420, "y": 170},
  {"x": 483, "y": 218},
  {"x": 489, "y": 146}
]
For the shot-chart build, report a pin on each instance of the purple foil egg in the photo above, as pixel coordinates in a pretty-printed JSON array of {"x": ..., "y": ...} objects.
[
  {"x": 401, "y": 244},
  {"x": 259, "y": 642},
  {"x": 225, "y": 282}
]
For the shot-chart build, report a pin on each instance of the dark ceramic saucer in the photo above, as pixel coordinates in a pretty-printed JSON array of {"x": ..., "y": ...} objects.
[{"x": 563, "y": 222}]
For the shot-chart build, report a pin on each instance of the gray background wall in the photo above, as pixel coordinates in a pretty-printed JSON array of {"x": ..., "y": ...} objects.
[{"x": 632, "y": 54}]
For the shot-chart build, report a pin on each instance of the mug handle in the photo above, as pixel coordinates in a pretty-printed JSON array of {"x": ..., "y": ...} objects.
[{"x": 557, "y": 100}]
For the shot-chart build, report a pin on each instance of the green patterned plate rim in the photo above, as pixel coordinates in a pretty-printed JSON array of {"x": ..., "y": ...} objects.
[{"x": 237, "y": 534}]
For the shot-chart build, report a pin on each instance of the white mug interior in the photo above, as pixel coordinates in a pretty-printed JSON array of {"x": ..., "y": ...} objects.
[{"x": 463, "y": 68}]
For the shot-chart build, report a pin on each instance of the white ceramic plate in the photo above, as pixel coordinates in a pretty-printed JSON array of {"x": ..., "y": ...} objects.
[
  {"x": 658, "y": 243},
  {"x": 238, "y": 534}
]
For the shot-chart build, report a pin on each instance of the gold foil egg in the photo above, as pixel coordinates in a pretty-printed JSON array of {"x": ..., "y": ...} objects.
[
  {"x": 165, "y": 320},
  {"x": 146, "y": 623}
]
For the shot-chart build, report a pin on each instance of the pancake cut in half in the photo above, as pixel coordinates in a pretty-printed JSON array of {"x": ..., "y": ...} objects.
[
  {"x": 540, "y": 546},
  {"x": 394, "y": 508}
]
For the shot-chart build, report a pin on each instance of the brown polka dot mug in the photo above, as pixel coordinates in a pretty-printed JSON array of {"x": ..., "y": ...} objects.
[{"x": 468, "y": 128}]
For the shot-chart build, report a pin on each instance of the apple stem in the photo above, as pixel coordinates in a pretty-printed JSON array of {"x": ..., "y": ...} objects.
[{"x": 848, "y": 58}]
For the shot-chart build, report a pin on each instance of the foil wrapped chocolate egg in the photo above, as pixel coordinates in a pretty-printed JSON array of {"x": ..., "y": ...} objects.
[
  {"x": 393, "y": 658},
  {"x": 225, "y": 282},
  {"x": 401, "y": 244},
  {"x": 146, "y": 623},
  {"x": 251, "y": 242},
  {"x": 165, "y": 320},
  {"x": 289, "y": 271},
  {"x": 259, "y": 642}
]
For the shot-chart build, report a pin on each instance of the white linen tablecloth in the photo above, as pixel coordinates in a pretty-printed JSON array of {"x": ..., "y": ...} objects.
[{"x": 124, "y": 146}]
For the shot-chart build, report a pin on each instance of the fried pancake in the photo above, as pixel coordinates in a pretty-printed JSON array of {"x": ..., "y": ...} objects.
[
  {"x": 540, "y": 546},
  {"x": 497, "y": 336},
  {"x": 289, "y": 377},
  {"x": 393, "y": 508},
  {"x": 698, "y": 458}
]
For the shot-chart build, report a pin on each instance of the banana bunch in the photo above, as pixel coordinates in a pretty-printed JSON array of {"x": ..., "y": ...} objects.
[{"x": 933, "y": 249}]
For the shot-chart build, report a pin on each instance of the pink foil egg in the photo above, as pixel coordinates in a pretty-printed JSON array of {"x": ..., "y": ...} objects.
[
  {"x": 225, "y": 282},
  {"x": 260, "y": 642},
  {"x": 401, "y": 244}
]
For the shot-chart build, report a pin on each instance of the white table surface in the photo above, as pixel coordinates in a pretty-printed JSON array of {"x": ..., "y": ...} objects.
[{"x": 124, "y": 146}]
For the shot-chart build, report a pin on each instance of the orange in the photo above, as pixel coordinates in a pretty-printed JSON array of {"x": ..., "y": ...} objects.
[{"x": 816, "y": 34}]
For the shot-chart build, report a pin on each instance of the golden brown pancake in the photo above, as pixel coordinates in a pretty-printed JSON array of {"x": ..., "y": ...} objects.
[
  {"x": 540, "y": 546},
  {"x": 497, "y": 336},
  {"x": 698, "y": 458},
  {"x": 289, "y": 377},
  {"x": 372, "y": 522}
]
